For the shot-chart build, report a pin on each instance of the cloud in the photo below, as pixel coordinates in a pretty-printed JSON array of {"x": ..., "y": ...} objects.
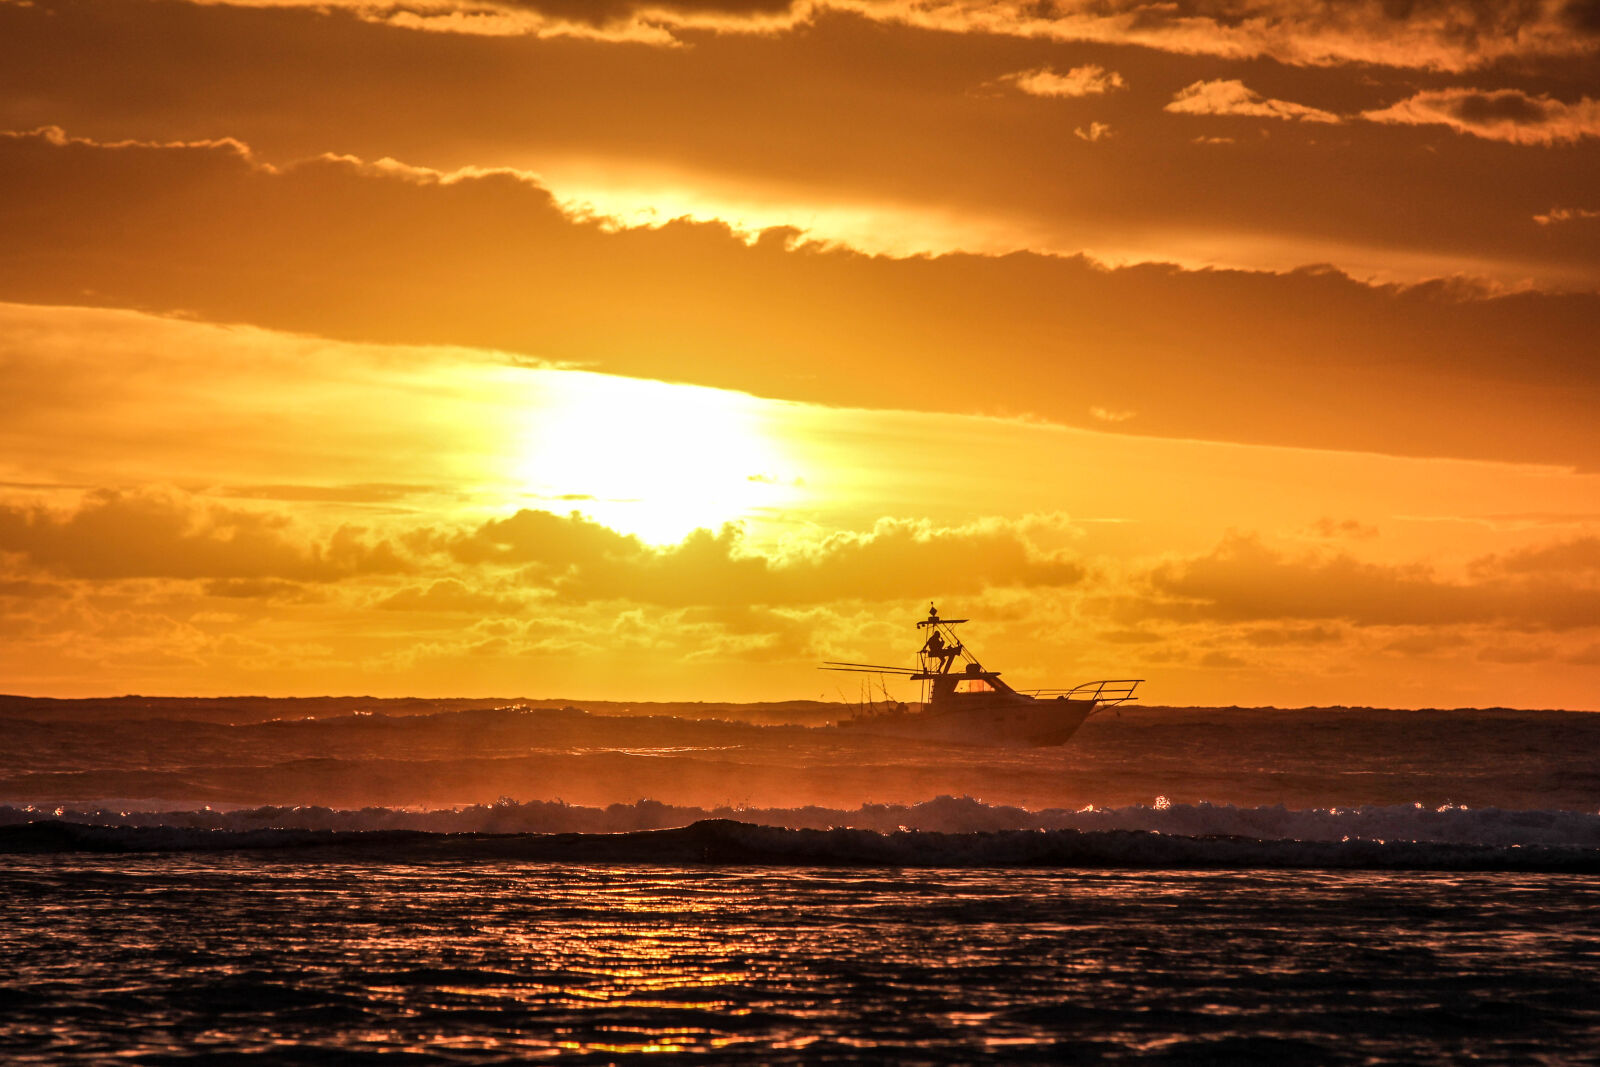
[
  {"x": 260, "y": 589},
  {"x": 1087, "y": 80},
  {"x": 152, "y": 534},
  {"x": 1579, "y": 555},
  {"x": 1280, "y": 636},
  {"x": 1425, "y": 34},
  {"x": 26, "y": 589},
  {"x": 930, "y": 168},
  {"x": 580, "y": 561},
  {"x": 1132, "y": 637},
  {"x": 1102, "y": 414},
  {"x": 648, "y": 22},
  {"x": 1337, "y": 529},
  {"x": 1427, "y": 643},
  {"x": 1231, "y": 97},
  {"x": 1588, "y": 657},
  {"x": 546, "y": 540},
  {"x": 449, "y": 595},
  {"x": 59, "y": 138},
  {"x": 1095, "y": 131},
  {"x": 1566, "y": 214},
  {"x": 1242, "y": 581},
  {"x": 1428, "y": 34},
  {"x": 1500, "y": 115},
  {"x": 125, "y": 230},
  {"x": 1516, "y": 654},
  {"x": 367, "y": 493}
]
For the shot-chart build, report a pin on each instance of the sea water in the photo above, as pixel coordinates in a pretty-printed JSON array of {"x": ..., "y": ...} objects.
[
  {"x": 243, "y": 881},
  {"x": 289, "y": 955}
]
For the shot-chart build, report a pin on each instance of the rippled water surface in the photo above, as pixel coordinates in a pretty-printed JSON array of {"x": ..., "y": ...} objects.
[{"x": 178, "y": 957}]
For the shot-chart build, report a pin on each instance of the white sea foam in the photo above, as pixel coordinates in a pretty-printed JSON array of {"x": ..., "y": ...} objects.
[{"x": 722, "y": 841}]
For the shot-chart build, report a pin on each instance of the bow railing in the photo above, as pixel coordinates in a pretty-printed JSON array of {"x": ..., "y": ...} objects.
[{"x": 1107, "y": 691}]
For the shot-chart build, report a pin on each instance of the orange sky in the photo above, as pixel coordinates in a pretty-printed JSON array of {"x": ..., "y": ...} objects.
[{"x": 661, "y": 351}]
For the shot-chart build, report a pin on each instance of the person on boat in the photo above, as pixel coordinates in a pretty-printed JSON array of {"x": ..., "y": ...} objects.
[{"x": 936, "y": 648}]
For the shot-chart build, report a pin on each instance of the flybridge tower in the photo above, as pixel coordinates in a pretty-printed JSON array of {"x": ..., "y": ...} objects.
[{"x": 938, "y": 657}]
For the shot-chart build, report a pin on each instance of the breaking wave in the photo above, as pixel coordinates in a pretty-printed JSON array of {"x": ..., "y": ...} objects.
[
  {"x": 1446, "y": 824},
  {"x": 947, "y": 831},
  {"x": 723, "y": 841}
]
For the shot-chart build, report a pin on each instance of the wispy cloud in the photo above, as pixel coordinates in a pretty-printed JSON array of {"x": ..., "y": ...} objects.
[
  {"x": 1566, "y": 214},
  {"x": 1079, "y": 81},
  {"x": 1448, "y": 35},
  {"x": 1232, "y": 97},
  {"x": 1103, "y": 414},
  {"x": 1502, "y": 115}
]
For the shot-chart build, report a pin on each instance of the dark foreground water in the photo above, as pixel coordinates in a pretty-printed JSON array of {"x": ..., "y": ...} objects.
[{"x": 297, "y": 956}]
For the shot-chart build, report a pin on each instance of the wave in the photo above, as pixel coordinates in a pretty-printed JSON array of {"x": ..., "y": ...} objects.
[
  {"x": 945, "y": 831},
  {"x": 724, "y": 841},
  {"x": 1444, "y": 824}
]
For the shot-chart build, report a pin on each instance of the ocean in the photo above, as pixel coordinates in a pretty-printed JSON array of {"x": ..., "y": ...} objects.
[{"x": 438, "y": 883}]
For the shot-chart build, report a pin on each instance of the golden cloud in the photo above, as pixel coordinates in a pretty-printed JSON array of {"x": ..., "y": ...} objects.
[
  {"x": 124, "y": 228},
  {"x": 648, "y": 22},
  {"x": 579, "y": 561},
  {"x": 1576, "y": 556},
  {"x": 1243, "y": 580},
  {"x": 1500, "y": 115},
  {"x": 154, "y": 534},
  {"x": 1451, "y": 35},
  {"x": 449, "y": 595},
  {"x": 1566, "y": 214},
  {"x": 1087, "y": 80},
  {"x": 1231, "y": 97}
]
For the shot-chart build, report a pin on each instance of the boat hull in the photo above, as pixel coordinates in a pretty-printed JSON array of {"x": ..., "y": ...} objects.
[{"x": 1018, "y": 722}]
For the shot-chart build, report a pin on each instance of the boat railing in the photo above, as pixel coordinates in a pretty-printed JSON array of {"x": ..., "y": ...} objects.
[{"x": 1105, "y": 692}]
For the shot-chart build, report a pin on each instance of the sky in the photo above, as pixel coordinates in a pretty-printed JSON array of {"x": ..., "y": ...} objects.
[{"x": 662, "y": 351}]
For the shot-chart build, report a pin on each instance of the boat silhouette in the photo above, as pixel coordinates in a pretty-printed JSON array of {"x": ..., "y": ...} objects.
[{"x": 970, "y": 704}]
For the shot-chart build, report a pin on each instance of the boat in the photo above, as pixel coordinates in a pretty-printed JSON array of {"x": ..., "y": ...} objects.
[{"x": 966, "y": 703}]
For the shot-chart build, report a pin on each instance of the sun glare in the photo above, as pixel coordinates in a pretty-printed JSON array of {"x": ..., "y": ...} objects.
[{"x": 649, "y": 458}]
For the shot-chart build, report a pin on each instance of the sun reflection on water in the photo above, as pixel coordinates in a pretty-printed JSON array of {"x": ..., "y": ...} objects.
[{"x": 515, "y": 961}]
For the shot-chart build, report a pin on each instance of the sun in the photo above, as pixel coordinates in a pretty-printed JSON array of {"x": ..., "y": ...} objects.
[{"x": 648, "y": 458}]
